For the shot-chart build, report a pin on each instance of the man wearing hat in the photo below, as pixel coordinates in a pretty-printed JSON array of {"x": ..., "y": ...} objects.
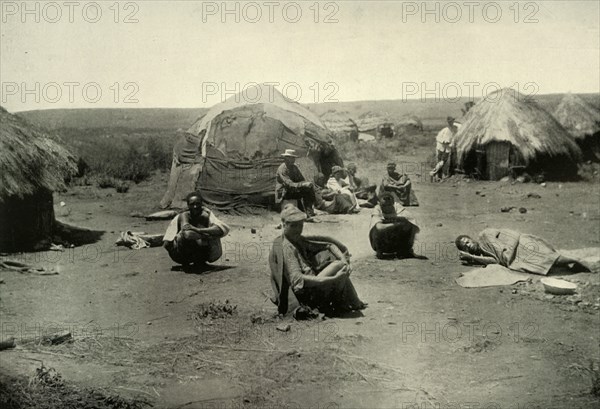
[
  {"x": 399, "y": 185},
  {"x": 291, "y": 184},
  {"x": 315, "y": 268},
  {"x": 444, "y": 144}
]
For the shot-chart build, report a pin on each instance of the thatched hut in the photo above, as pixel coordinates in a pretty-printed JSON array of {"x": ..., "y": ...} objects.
[
  {"x": 342, "y": 126},
  {"x": 33, "y": 166},
  {"x": 408, "y": 125},
  {"x": 507, "y": 133},
  {"x": 583, "y": 123},
  {"x": 377, "y": 124}
]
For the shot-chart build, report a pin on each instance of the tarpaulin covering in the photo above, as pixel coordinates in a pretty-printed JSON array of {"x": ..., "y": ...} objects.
[{"x": 232, "y": 153}]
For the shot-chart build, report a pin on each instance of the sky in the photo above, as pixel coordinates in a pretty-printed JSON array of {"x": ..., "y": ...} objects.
[{"x": 143, "y": 54}]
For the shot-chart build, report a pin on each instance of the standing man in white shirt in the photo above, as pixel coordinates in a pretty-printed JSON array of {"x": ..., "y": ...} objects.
[{"x": 444, "y": 143}]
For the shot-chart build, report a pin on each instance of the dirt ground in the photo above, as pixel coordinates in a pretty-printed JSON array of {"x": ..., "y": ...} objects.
[{"x": 423, "y": 342}]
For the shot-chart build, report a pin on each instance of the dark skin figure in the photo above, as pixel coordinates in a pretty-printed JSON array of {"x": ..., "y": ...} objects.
[
  {"x": 471, "y": 252},
  {"x": 191, "y": 226}
]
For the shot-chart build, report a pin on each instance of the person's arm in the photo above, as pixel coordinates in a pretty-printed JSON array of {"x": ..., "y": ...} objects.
[
  {"x": 484, "y": 260},
  {"x": 283, "y": 175},
  {"x": 339, "y": 254},
  {"x": 214, "y": 230},
  {"x": 298, "y": 280},
  {"x": 216, "y": 226}
]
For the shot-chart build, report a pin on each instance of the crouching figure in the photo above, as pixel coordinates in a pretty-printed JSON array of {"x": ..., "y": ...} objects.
[
  {"x": 392, "y": 235},
  {"x": 315, "y": 270},
  {"x": 194, "y": 236}
]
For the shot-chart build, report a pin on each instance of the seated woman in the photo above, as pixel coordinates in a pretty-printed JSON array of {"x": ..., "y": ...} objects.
[
  {"x": 517, "y": 251},
  {"x": 392, "y": 235},
  {"x": 315, "y": 269},
  {"x": 399, "y": 185},
  {"x": 337, "y": 184},
  {"x": 194, "y": 236},
  {"x": 329, "y": 201}
]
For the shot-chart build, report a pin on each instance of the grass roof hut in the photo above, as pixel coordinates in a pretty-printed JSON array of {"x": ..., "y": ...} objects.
[
  {"x": 507, "y": 133},
  {"x": 582, "y": 120},
  {"x": 408, "y": 125},
  {"x": 33, "y": 166},
  {"x": 342, "y": 126},
  {"x": 377, "y": 124}
]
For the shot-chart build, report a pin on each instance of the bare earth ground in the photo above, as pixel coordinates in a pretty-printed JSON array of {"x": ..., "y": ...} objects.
[{"x": 422, "y": 341}]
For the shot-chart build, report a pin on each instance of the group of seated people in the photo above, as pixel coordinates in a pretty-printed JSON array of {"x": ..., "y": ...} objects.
[
  {"x": 314, "y": 271},
  {"x": 343, "y": 193}
]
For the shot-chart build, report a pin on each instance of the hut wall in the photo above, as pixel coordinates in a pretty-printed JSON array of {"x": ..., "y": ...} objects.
[
  {"x": 26, "y": 222},
  {"x": 497, "y": 159}
]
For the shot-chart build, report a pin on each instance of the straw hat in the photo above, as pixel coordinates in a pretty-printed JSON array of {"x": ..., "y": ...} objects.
[{"x": 291, "y": 153}]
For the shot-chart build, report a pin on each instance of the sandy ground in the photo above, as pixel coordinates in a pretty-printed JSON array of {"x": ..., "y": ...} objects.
[{"x": 423, "y": 342}]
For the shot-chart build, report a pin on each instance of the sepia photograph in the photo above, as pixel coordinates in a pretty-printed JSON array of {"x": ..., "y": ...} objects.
[{"x": 302, "y": 204}]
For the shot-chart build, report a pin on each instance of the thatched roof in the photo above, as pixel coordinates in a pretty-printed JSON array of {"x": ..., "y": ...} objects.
[
  {"x": 339, "y": 122},
  {"x": 508, "y": 116},
  {"x": 372, "y": 120},
  {"x": 411, "y": 120},
  {"x": 577, "y": 116},
  {"x": 29, "y": 159}
]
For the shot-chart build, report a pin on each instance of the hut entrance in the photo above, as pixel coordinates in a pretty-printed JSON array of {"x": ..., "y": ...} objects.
[{"x": 497, "y": 156}]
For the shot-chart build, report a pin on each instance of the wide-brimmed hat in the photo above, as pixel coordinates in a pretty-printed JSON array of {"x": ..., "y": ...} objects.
[
  {"x": 450, "y": 118},
  {"x": 290, "y": 153},
  {"x": 291, "y": 214},
  {"x": 391, "y": 165},
  {"x": 336, "y": 169}
]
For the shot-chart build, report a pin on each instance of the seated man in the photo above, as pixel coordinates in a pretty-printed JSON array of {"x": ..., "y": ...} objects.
[
  {"x": 291, "y": 184},
  {"x": 392, "y": 235},
  {"x": 316, "y": 269},
  {"x": 194, "y": 236},
  {"x": 360, "y": 186},
  {"x": 399, "y": 185},
  {"x": 520, "y": 252},
  {"x": 337, "y": 184}
]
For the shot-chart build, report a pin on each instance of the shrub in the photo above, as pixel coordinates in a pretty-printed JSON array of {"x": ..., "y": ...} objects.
[
  {"x": 105, "y": 182},
  {"x": 122, "y": 187}
]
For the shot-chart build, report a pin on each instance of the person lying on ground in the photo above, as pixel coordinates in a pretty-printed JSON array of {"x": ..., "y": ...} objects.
[
  {"x": 315, "y": 268},
  {"x": 392, "y": 235},
  {"x": 337, "y": 184},
  {"x": 399, "y": 185},
  {"x": 194, "y": 236},
  {"x": 517, "y": 251},
  {"x": 290, "y": 184}
]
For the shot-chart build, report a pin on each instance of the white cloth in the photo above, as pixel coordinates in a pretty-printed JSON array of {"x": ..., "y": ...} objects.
[
  {"x": 490, "y": 276},
  {"x": 342, "y": 188}
]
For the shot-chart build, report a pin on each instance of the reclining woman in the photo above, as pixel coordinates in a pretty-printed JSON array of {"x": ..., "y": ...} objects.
[
  {"x": 315, "y": 268},
  {"x": 392, "y": 235},
  {"x": 517, "y": 251}
]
